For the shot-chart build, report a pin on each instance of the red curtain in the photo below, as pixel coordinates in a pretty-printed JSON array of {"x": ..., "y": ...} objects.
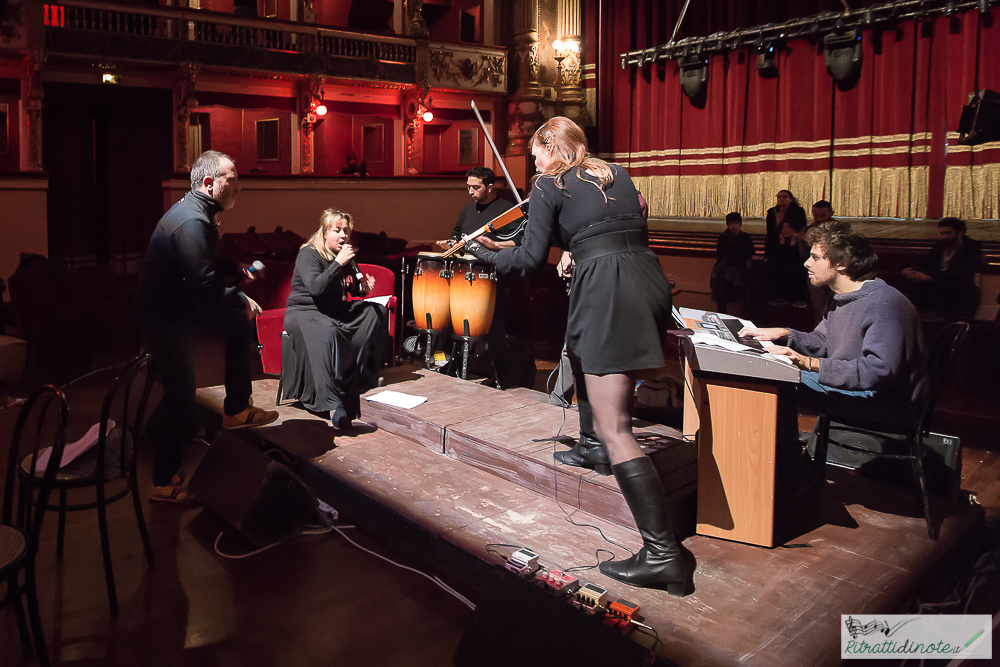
[{"x": 883, "y": 146}]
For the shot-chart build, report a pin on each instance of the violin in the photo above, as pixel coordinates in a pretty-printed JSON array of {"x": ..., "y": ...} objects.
[{"x": 519, "y": 212}]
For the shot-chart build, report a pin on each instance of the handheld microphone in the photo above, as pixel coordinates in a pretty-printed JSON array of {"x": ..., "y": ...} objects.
[
  {"x": 353, "y": 266},
  {"x": 255, "y": 269}
]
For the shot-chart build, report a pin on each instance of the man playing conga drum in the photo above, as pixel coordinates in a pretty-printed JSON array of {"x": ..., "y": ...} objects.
[{"x": 512, "y": 370}]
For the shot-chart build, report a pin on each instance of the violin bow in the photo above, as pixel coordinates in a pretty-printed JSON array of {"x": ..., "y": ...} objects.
[{"x": 501, "y": 220}]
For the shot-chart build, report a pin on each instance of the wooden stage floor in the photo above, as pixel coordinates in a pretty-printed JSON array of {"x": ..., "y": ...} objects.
[{"x": 472, "y": 467}]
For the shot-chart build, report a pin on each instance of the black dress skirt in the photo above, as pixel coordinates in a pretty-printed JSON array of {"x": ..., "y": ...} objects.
[
  {"x": 619, "y": 312},
  {"x": 336, "y": 344}
]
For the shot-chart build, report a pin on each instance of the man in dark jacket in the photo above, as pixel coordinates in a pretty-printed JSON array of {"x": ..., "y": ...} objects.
[
  {"x": 946, "y": 281},
  {"x": 865, "y": 358},
  {"x": 183, "y": 285}
]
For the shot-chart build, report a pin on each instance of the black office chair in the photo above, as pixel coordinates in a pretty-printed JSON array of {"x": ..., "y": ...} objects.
[
  {"x": 111, "y": 463},
  {"x": 940, "y": 358},
  {"x": 42, "y": 419}
]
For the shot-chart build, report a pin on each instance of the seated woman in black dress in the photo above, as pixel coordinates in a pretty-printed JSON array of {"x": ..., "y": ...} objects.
[
  {"x": 337, "y": 343},
  {"x": 619, "y": 311}
]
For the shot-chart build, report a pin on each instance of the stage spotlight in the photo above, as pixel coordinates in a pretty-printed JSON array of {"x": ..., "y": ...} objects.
[
  {"x": 321, "y": 110},
  {"x": 694, "y": 75},
  {"x": 428, "y": 116},
  {"x": 843, "y": 55},
  {"x": 767, "y": 58}
]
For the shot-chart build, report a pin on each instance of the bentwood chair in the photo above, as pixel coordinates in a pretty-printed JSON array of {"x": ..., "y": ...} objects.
[
  {"x": 108, "y": 472},
  {"x": 911, "y": 430},
  {"x": 25, "y": 498}
]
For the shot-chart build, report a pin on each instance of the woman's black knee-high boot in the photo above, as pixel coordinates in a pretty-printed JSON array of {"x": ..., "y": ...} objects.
[{"x": 659, "y": 563}]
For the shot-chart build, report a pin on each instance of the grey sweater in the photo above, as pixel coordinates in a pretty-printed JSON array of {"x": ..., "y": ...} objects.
[{"x": 868, "y": 340}]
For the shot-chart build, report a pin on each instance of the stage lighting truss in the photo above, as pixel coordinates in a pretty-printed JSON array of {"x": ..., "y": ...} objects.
[{"x": 885, "y": 15}]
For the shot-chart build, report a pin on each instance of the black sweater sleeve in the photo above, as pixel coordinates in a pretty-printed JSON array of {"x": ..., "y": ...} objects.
[{"x": 542, "y": 219}]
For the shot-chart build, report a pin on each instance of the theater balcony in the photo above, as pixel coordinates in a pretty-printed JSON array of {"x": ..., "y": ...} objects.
[{"x": 106, "y": 35}]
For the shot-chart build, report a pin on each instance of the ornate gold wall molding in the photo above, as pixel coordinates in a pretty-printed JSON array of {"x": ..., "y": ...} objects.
[
  {"x": 310, "y": 97},
  {"x": 466, "y": 69}
]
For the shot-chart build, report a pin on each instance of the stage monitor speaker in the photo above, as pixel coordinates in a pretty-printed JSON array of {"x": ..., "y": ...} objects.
[
  {"x": 942, "y": 459},
  {"x": 518, "y": 623},
  {"x": 260, "y": 497},
  {"x": 980, "y": 121}
]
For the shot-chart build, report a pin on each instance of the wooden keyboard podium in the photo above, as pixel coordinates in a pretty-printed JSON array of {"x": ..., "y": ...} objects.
[{"x": 738, "y": 421}]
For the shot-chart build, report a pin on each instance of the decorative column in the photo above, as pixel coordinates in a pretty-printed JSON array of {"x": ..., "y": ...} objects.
[
  {"x": 310, "y": 97},
  {"x": 415, "y": 104},
  {"x": 524, "y": 112},
  {"x": 184, "y": 101},
  {"x": 569, "y": 90},
  {"x": 33, "y": 94}
]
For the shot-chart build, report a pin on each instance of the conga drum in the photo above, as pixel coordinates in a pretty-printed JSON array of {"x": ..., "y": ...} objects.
[
  {"x": 430, "y": 292},
  {"x": 473, "y": 295}
]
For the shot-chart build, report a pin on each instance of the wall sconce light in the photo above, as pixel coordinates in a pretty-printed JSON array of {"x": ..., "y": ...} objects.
[
  {"x": 428, "y": 116},
  {"x": 563, "y": 49},
  {"x": 321, "y": 110}
]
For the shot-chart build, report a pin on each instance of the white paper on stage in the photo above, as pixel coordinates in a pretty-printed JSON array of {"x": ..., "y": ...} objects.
[
  {"x": 397, "y": 399},
  {"x": 74, "y": 449},
  {"x": 381, "y": 300}
]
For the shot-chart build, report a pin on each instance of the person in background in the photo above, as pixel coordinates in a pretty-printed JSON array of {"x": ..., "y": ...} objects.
[
  {"x": 184, "y": 285},
  {"x": 784, "y": 267},
  {"x": 822, "y": 211},
  {"x": 731, "y": 272},
  {"x": 619, "y": 311},
  {"x": 944, "y": 285},
  {"x": 337, "y": 343},
  {"x": 353, "y": 167}
]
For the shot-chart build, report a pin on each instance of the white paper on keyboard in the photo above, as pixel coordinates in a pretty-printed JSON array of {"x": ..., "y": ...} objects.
[
  {"x": 711, "y": 339},
  {"x": 781, "y": 357},
  {"x": 397, "y": 399}
]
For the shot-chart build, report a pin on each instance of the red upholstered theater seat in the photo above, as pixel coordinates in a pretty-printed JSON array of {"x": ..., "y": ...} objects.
[{"x": 271, "y": 323}]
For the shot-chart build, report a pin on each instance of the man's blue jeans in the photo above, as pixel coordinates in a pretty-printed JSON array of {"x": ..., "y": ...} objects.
[{"x": 846, "y": 405}]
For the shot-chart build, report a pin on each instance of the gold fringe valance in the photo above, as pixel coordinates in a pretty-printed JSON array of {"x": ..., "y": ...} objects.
[
  {"x": 888, "y": 193},
  {"x": 972, "y": 192}
]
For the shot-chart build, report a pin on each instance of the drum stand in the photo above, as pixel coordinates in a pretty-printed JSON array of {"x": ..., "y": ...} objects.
[
  {"x": 467, "y": 343},
  {"x": 429, "y": 343}
]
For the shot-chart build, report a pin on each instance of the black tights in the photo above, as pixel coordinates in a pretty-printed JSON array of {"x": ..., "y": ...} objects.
[{"x": 609, "y": 397}]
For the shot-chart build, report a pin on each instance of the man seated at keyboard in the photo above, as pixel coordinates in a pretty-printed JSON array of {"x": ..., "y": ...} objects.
[{"x": 865, "y": 357}]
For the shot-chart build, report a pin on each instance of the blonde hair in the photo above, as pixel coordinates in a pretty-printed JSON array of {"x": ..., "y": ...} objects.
[
  {"x": 569, "y": 150},
  {"x": 318, "y": 239}
]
